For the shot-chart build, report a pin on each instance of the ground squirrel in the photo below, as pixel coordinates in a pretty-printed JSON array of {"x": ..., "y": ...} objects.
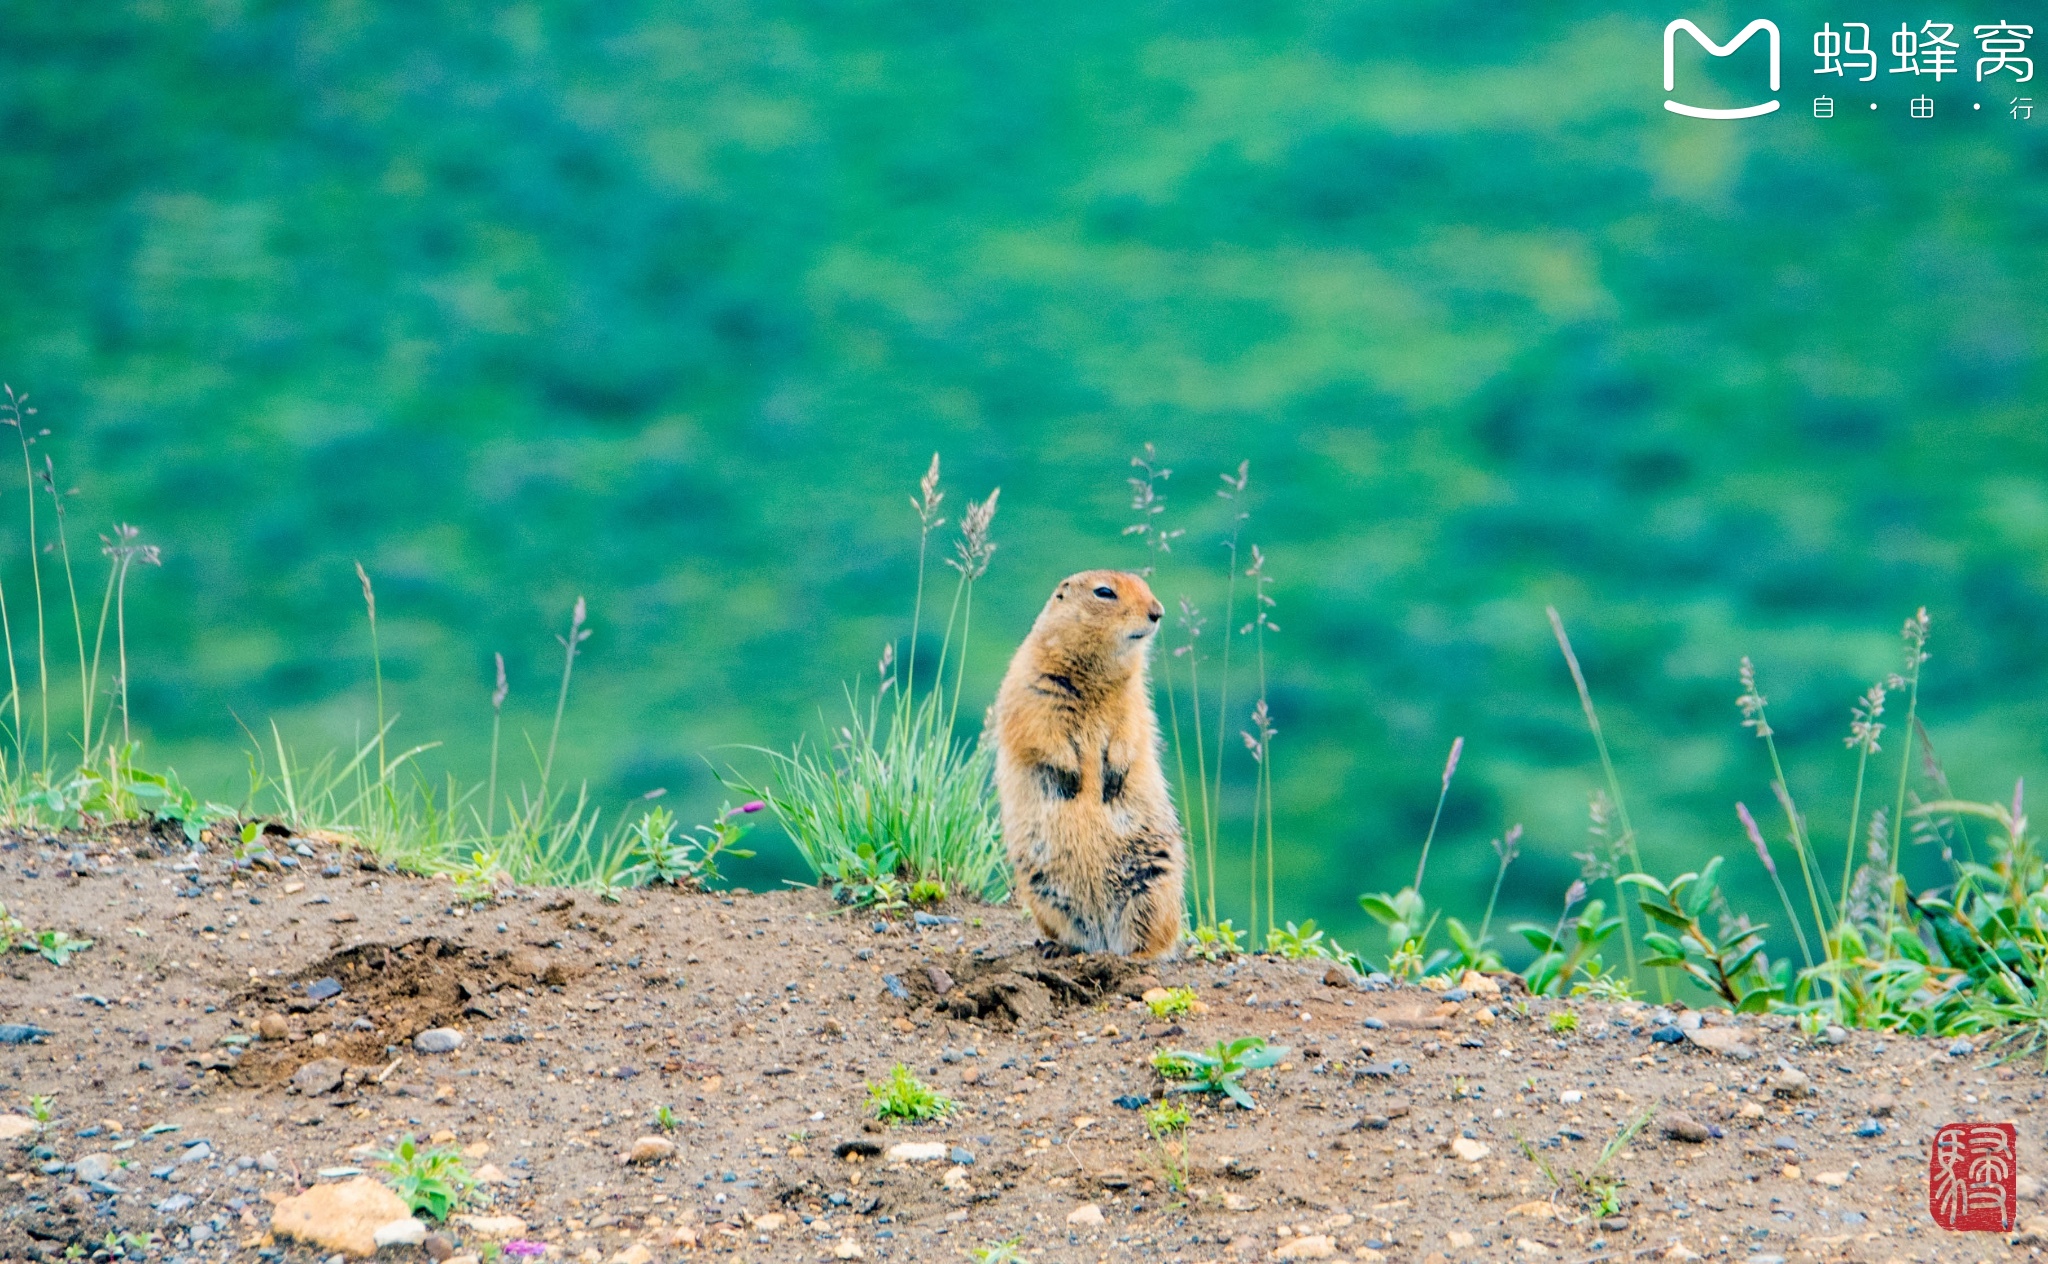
[{"x": 1087, "y": 818}]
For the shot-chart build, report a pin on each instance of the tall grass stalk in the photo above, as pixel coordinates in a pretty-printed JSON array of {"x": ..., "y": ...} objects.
[
  {"x": 1260, "y": 625},
  {"x": 85, "y": 684},
  {"x": 1628, "y": 833},
  {"x": 1443, "y": 792},
  {"x": 1506, "y": 848},
  {"x": 16, "y": 415},
  {"x": 1865, "y": 728},
  {"x": 126, "y": 552},
  {"x": 1232, "y": 491},
  {"x": 1763, "y": 852},
  {"x": 1756, "y": 717},
  {"x": 376, "y": 657},
  {"x": 498, "y": 695},
  {"x": 1914, "y": 634},
  {"x": 578, "y": 634}
]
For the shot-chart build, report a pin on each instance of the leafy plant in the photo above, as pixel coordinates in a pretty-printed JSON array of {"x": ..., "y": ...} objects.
[
  {"x": 1563, "y": 951},
  {"x": 1563, "y": 1023},
  {"x": 1297, "y": 942},
  {"x": 434, "y": 1180},
  {"x": 1730, "y": 964},
  {"x": 927, "y": 891},
  {"x": 903, "y": 1097},
  {"x": 1214, "y": 943},
  {"x": 40, "y": 1109},
  {"x": 56, "y": 947},
  {"x": 664, "y": 1118},
  {"x": 1174, "y": 1003},
  {"x": 1222, "y": 1069},
  {"x": 1408, "y": 922},
  {"x": 655, "y": 854},
  {"x": 1008, "y": 1251}
]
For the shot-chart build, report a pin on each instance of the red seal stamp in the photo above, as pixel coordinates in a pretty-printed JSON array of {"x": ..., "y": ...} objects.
[{"x": 1973, "y": 1176}]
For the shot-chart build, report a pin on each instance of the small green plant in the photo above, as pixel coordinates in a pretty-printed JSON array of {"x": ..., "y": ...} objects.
[
  {"x": 1222, "y": 1068},
  {"x": 13, "y": 932},
  {"x": 1563, "y": 1023},
  {"x": 1174, "y": 1066},
  {"x": 655, "y": 854},
  {"x": 1214, "y": 943},
  {"x": 1568, "y": 948},
  {"x": 56, "y": 947},
  {"x": 1008, "y": 1251},
  {"x": 1297, "y": 943},
  {"x": 1167, "y": 1124},
  {"x": 1603, "y": 984},
  {"x": 903, "y": 1097},
  {"x": 927, "y": 891},
  {"x": 664, "y": 1118},
  {"x": 1594, "y": 1191},
  {"x": 1176, "y": 1002},
  {"x": 40, "y": 1110},
  {"x": 1729, "y": 964},
  {"x": 434, "y": 1181},
  {"x": 1409, "y": 923},
  {"x": 491, "y": 1253}
]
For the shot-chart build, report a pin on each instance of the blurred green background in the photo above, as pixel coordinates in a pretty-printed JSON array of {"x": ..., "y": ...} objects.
[{"x": 669, "y": 306}]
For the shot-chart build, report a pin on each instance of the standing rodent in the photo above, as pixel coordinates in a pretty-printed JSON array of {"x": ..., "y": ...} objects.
[{"x": 1087, "y": 818}]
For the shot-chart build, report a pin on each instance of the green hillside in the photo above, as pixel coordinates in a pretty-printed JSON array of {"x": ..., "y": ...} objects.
[{"x": 669, "y": 306}]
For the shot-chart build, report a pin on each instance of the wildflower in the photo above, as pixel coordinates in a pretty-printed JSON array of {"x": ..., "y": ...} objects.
[
  {"x": 752, "y": 805},
  {"x": 1451, "y": 764},
  {"x": 522, "y": 1247}
]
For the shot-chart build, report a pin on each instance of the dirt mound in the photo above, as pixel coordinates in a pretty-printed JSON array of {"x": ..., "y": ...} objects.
[
  {"x": 1023, "y": 988},
  {"x": 363, "y": 1004}
]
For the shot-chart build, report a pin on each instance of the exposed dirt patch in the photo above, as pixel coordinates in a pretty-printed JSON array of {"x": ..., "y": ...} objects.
[{"x": 272, "y": 1015}]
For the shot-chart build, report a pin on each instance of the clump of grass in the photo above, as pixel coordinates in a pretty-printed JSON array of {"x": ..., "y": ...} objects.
[
  {"x": 1594, "y": 1190},
  {"x": 1167, "y": 1124},
  {"x": 893, "y": 799},
  {"x": 903, "y": 1097},
  {"x": 665, "y": 1118},
  {"x": 433, "y": 1180},
  {"x": 1563, "y": 1023}
]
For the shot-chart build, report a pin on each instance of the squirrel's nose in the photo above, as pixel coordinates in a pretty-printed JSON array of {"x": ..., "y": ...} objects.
[{"x": 1156, "y": 612}]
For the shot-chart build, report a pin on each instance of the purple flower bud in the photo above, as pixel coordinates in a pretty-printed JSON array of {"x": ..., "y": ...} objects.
[
  {"x": 1451, "y": 764},
  {"x": 752, "y": 805}
]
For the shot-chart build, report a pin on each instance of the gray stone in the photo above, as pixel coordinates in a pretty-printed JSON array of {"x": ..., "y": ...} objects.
[
  {"x": 95, "y": 1167},
  {"x": 438, "y": 1040},
  {"x": 323, "y": 1075}
]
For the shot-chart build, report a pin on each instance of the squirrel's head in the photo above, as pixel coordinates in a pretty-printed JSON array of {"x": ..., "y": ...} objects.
[{"x": 1101, "y": 613}]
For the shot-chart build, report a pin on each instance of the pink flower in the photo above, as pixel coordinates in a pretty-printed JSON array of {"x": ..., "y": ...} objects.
[
  {"x": 752, "y": 805},
  {"x": 520, "y": 1246}
]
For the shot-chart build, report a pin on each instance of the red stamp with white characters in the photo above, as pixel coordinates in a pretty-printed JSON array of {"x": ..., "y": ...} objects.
[{"x": 1973, "y": 1177}]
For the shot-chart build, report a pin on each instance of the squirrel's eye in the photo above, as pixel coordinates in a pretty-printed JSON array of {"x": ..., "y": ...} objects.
[{"x": 1106, "y": 593}]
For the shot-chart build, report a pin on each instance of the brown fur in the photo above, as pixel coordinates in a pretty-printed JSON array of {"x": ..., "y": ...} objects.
[{"x": 1087, "y": 817}]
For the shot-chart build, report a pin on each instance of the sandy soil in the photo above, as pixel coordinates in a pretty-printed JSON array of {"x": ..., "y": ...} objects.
[{"x": 1393, "y": 1131}]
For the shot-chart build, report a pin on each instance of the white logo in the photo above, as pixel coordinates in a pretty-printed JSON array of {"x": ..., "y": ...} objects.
[{"x": 1718, "y": 50}]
